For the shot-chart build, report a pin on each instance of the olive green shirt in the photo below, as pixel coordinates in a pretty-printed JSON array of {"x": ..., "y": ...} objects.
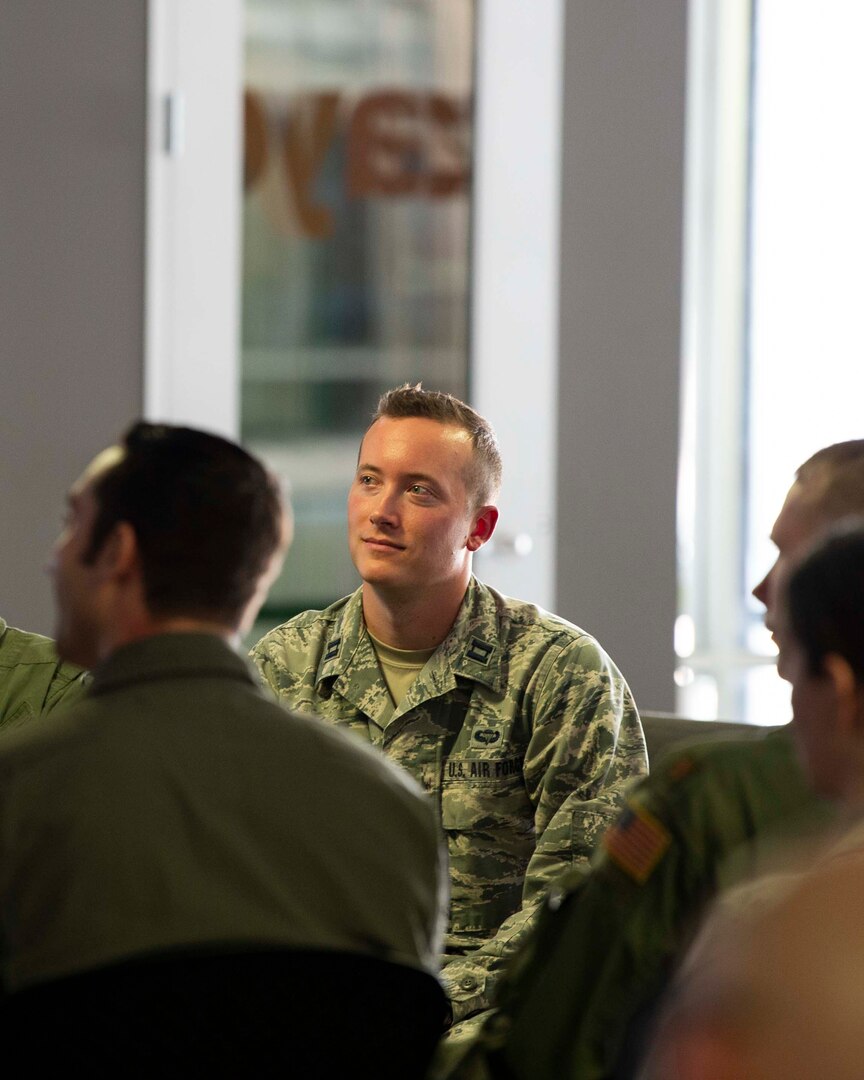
[
  {"x": 608, "y": 936},
  {"x": 520, "y": 727},
  {"x": 178, "y": 805},
  {"x": 32, "y": 679}
]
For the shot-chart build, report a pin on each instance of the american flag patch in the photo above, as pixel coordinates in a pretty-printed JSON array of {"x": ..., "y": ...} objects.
[{"x": 636, "y": 843}]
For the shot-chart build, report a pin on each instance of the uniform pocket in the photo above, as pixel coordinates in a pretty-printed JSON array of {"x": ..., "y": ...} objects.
[
  {"x": 22, "y": 715},
  {"x": 488, "y": 820}
]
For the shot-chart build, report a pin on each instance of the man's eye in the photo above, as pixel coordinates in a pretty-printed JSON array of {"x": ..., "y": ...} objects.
[
  {"x": 418, "y": 489},
  {"x": 365, "y": 480}
]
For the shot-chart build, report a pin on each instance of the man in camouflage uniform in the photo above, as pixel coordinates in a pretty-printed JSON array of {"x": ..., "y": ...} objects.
[
  {"x": 517, "y": 722},
  {"x": 32, "y": 679}
]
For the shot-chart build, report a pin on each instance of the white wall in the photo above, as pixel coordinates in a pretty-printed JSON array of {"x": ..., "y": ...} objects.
[
  {"x": 72, "y": 151},
  {"x": 624, "y": 103}
]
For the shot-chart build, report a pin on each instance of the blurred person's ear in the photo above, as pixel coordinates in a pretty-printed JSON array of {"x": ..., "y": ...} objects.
[{"x": 848, "y": 694}]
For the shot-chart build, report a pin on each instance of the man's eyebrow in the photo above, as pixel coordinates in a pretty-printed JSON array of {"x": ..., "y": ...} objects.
[
  {"x": 412, "y": 476},
  {"x": 425, "y": 477}
]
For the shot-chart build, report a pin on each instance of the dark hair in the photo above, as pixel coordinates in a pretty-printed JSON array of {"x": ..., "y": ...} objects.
[
  {"x": 207, "y": 516},
  {"x": 413, "y": 401},
  {"x": 825, "y": 598},
  {"x": 835, "y": 476}
]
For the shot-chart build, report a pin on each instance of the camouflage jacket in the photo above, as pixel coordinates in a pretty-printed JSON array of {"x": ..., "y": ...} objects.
[
  {"x": 520, "y": 727},
  {"x": 32, "y": 679},
  {"x": 607, "y": 939}
]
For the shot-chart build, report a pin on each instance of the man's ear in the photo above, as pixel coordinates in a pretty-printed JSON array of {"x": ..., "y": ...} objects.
[
  {"x": 485, "y": 521},
  {"x": 848, "y": 694},
  {"x": 118, "y": 556}
]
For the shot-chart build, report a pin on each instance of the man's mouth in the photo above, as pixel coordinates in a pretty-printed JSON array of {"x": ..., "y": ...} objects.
[
  {"x": 772, "y": 630},
  {"x": 381, "y": 542}
]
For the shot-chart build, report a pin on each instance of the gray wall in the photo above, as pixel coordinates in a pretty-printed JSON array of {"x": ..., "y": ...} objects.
[
  {"x": 72, "y": 207},
  {"x": 624, "y": 94},
  {"x": 72, "y": 175}
]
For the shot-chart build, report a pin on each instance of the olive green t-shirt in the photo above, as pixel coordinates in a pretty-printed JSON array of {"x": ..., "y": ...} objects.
[{"x": 400, "y": 667}]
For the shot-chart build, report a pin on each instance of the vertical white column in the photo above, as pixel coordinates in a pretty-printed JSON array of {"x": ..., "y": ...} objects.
[
  {"x": 515, "y": 271},
  {"x": 194, "y": 163}
]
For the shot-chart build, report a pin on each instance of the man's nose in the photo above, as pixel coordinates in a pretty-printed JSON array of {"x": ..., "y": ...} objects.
[
  {"x": 760, "y": 591},
  {"x": 386, "y": 509}
]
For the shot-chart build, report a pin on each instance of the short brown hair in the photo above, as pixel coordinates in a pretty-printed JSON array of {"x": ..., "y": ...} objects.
[
  {"x": 835, "y": 475},
  {"x": 408, "y": 401},
  {"x": 207, "y": 516}
]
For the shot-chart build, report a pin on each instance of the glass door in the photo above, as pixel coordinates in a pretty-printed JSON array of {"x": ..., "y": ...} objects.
[{"x": 355, "y": 243}]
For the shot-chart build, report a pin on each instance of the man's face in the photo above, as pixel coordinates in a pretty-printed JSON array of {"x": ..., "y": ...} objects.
[
  {"x": 411, "y": 519},
  {"x": 796, "y": 526},
  {"x": 75, "y": 581}
]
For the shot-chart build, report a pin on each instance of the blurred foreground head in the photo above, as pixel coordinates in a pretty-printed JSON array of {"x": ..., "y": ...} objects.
[
  {"x": 779, "y": 996},
  {"x": 821, "y": 600},
  {"x": 173, "y": 529}
]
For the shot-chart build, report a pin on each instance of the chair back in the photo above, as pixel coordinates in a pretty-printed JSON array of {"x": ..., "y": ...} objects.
[
  {"x": 314, "y": 1015},
  {"x": 664, "y": 730}
]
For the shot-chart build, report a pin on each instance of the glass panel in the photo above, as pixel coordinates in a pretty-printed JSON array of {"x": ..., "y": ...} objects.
[
  {"x": 355, "y": 252},
  {"x": 803, "y": 339}
]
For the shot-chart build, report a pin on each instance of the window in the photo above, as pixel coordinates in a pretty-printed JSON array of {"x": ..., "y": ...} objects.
[
  {"x": 356, "y": 243},
  {"x": 773, "y": 338}
]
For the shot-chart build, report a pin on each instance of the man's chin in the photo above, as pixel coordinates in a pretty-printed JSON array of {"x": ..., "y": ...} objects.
[
  {"x": 380, "y": 579},
  {"x": 73, "y": 651},
  {"x": 385, "y": 578},
  {"x": 375, "y": 569}
]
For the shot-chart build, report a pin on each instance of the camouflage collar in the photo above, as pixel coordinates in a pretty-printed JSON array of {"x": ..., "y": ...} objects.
[
  {"x": 347, "y": 634},
  {"x": 472, "y": 649}
]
